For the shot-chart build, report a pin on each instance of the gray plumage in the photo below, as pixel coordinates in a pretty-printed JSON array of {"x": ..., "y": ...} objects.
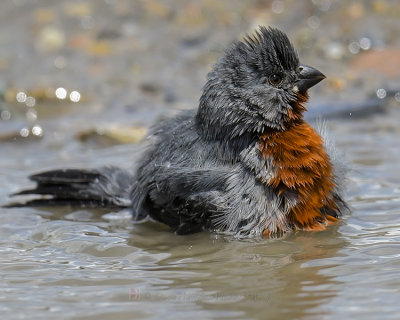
[{"x": 204, "y": 168}]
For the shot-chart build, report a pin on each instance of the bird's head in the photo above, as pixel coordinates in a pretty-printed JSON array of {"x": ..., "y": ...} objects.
[{"x": 257, "y": 85}]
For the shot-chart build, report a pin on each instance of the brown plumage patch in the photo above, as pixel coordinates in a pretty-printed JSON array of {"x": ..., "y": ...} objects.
[{"x": 303, "y": 167}]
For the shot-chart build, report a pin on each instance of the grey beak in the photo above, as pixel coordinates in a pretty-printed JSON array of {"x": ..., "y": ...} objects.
[{"x": 308, "y": 78}]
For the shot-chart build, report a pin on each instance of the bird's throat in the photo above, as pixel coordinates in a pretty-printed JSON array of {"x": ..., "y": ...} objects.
[{"x": 295, "y": 114}]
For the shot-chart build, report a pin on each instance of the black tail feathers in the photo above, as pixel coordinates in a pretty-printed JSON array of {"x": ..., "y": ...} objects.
[{"x": 103, "y": 187}]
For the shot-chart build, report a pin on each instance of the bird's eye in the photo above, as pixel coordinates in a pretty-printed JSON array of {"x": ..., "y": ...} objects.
[{"x": 275, "y": 79}]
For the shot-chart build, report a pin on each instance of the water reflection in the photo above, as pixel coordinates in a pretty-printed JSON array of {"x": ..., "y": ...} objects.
[
  {"x": 145, "y": 265},
  {"x": 274, "y": 278}
]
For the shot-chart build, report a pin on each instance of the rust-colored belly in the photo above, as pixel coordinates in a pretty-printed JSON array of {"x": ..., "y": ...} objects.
[{"x": 303, "y": 167}]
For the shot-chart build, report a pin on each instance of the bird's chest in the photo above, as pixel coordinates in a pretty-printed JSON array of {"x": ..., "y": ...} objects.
[
  {"x": 297, "y": 154},
  {"x": 302, "y": 168}
]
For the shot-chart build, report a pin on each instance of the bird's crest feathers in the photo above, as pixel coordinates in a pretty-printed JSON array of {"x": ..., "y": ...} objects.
[{"x": 275, "y": 45}]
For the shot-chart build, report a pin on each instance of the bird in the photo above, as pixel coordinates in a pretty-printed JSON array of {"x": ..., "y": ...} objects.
[{"x": 244, "y": 162}]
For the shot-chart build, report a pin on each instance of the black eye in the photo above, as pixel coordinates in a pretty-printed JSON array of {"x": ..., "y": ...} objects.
[{"x": 275, "y": 79}]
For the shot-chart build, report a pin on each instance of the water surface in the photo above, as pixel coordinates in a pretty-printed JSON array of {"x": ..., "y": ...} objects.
[{"x": 97, "y": 264}]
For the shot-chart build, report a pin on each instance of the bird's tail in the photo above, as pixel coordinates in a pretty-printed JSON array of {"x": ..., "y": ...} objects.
[{"x": 103, "y": 187}]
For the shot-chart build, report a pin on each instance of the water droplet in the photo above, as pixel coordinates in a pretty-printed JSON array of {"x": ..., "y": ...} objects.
[
  {"x": 75, "y": 96},
  {"x": 381, "y": 93},
  {"x": 30, "y": 101},
  {"x": 61, "y": 93},
  {"x": 5, "y": 115},
  {"x": 397, "y": 96},
  {"x": 24, "y": 132},
  {"x": 21, "y": 97},
  {"x": 335, "y": 50},
  {"x": 37, "y": 131},
  {"x": 354, "y": 47},
  {"x": 365, "y": 43}
]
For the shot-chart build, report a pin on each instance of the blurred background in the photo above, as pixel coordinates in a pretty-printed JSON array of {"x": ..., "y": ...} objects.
[
  {"x": 101, "y": 71},
  {"x": 81, "y": 82}
]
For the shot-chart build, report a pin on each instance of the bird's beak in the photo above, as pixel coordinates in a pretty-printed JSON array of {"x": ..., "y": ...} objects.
[{"x": 308, "y": 78}]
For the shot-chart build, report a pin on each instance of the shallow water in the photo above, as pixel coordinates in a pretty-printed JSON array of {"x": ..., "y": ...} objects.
[
  {"x": 97, "y": 264},
  {"x": 103, "y": 265}
]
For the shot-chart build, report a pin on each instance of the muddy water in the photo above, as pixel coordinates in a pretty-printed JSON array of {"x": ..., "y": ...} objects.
[
  {"x": 96, "y": 264},
  {"x": 87, "y": 264}
]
